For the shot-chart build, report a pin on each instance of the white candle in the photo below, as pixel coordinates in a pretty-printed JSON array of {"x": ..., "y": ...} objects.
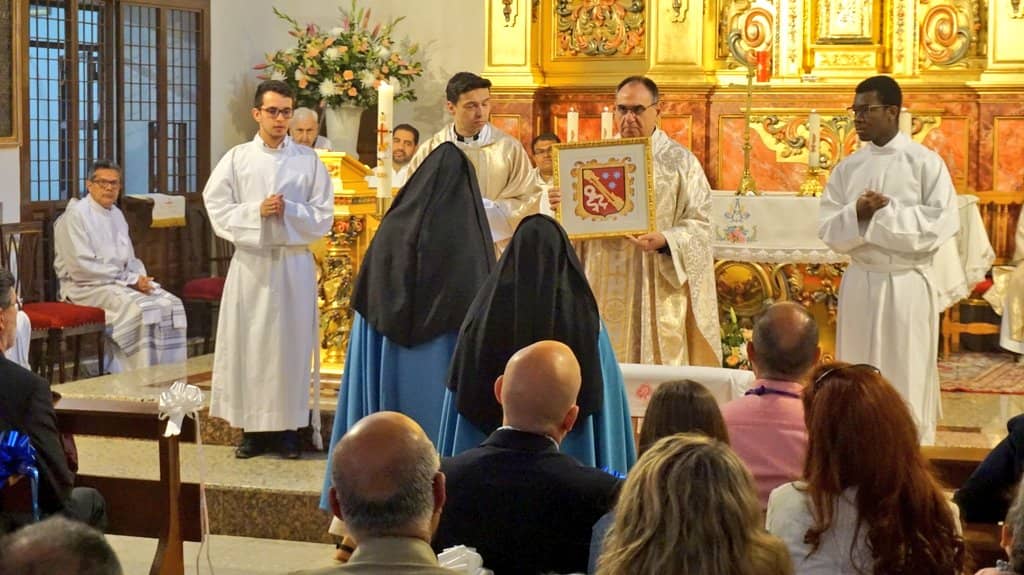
[
  {"x": 813, "y": 140},
  {"x": 906, "y": 122},
  {"x": 606, "y": 124},
  {"x": 572, "y": 126},
  {"x": 385, "y": 115}
]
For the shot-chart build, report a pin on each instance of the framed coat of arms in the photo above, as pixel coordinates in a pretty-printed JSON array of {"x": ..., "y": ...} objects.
[{"x": 606, "y": 186}]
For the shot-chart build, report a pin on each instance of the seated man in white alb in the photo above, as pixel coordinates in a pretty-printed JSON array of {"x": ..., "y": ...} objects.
[
  {"x": 305, "y": 129},
  {"x": 97, "y": 267}
]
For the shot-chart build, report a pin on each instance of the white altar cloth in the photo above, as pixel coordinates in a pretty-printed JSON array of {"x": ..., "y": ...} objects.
[
  {"x": 642, "y": 379},
  {"x": 783, "y": 227}
]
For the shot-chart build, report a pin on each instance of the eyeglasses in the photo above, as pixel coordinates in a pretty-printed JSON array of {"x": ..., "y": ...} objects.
[
  {"x": 855, "y": 111},
  {"x": 106, "y": 183},
  {"x": 544, "y": 152},
  {"x": 839, "y": 368},
  {"x": 285, "y": 113},
  {"x": 635, "y": 110}
]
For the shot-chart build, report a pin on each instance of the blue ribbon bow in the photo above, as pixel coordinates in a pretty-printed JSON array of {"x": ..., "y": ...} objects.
[{"x": 18, "y": 457}]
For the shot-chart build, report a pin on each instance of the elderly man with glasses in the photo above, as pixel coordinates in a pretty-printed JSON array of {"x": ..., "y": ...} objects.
[
  {"x": 271, "y": 198},
  {"x": 657, "y": 291},
  {"x": 890, "y": 206},
  {"x": 96, "y": 265}
]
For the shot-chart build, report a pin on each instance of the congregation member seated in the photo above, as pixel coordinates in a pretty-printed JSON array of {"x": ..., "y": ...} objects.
[
  {"x": 538, "y": 292},
  {"x": 767, "y": 423},
  {"x": 682, "y": 406},
  {"x": 389, "y": 491},
  {"x": 866, "y": 502},
  {"x": 96, "y": 265},
  {"x": 986, "y": 495},
  {"x": 57, "y": 545},
  {"x": 525, "y": 507},
  {"x": 689, "y": 506},
  {"x": 1010, "y": 542},
  {"x": 26, "y": 405}
]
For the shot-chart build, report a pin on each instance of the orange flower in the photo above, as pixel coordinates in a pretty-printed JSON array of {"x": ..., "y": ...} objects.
[
  {"x": 330, "y": 40},
  {"x": 384, "y": 70},
  {"x": 348, "y": 74},
  {"x": 303, "y": 82},
  {"x": 342, "y": 49},
  {"x": 352, "y": 92}
]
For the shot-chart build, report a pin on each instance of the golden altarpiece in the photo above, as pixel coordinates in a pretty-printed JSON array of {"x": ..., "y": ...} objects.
[{"x": 960, "y": 63}]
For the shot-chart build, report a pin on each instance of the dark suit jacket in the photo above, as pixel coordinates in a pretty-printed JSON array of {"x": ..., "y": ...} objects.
[
  {"x": 524, "y": 506},
  {"x": 26, "y": 405},
  {"x": 986, "y": 496}
]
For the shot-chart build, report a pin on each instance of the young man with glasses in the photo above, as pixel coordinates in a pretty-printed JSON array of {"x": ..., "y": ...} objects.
[
  {"x": 271, "y": 198},
  {"x": 890, "y": 206},
  {"x": 96, "y": 265},
  {"x": 657, "y": 291}
]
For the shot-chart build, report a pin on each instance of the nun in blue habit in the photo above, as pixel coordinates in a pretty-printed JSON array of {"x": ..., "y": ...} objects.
[
  {"x": 426, "y": 262},
  {"x": 538, "y": 292}
]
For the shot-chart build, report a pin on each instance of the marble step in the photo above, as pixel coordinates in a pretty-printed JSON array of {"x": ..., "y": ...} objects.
[{"x": 264, "y": 497}]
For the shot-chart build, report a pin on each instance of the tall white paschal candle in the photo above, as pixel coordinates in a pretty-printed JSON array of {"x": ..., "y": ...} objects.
[
  {"x": 906, "y": 122},
  {"x": 606, "y": 124},
  {"x": 385, "y": 117},
  {"x": 572, "y": 126},
  {"x": 814, "y": 140}
]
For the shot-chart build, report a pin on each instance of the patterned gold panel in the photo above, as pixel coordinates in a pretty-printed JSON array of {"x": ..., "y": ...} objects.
[
  {"x": 743, "y": 28},
  {"x": 950, "y": 33},
  {"x": 604, "y": 28}
]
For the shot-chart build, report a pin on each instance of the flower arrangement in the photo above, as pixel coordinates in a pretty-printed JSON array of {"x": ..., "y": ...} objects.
[
  {"x": 345, "y": 64},
  {"x": 734, "y": 343}
]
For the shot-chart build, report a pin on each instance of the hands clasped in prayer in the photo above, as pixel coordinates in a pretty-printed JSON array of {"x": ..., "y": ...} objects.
[
  {"x": 868, "y": 203},
  {"x": 649, "y": 242},
  {"x": 272, "y": 206}
]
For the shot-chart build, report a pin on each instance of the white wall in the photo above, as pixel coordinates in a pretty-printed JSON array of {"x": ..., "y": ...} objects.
[
  {"x": 10, "y": 184},
  {"x": 450, "y": 34}
]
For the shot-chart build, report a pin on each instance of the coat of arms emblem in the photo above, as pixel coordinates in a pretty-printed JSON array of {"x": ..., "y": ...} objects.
[{"x": 603, "y": 190}]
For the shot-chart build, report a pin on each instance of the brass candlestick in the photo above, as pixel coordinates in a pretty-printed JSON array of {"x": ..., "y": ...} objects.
[
  {"x": 812, "y": 185},
  {"x": 748, "y": 187}
]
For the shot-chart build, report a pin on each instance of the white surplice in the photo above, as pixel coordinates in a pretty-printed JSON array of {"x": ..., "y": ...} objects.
[
  {"x": 95, "y": 263},
  {"x": 268, "y": 325},
  {"x": 888, "y": 301},
  {"x": 662, "y": 308},
  {"x": 22, "y": 339},
  {"x": 503, "y": 171}
]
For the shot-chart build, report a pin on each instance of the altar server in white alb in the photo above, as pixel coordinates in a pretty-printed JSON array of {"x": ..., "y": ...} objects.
[
  {"x": 503, "y": 168},
  {"x": 271, "y": 198},
  {"x": 890, "y": 206},
  {"x": 96, "y": 265}
]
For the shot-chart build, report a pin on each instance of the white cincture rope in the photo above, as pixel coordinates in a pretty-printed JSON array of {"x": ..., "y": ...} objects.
[{"x": 175, "y": 403}]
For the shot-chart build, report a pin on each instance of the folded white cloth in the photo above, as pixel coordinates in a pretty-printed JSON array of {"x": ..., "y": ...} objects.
[{"x": 463, "y": 559}]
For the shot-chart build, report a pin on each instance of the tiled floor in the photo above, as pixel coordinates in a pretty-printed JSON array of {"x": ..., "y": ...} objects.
[{"x": 229, "y": 555}]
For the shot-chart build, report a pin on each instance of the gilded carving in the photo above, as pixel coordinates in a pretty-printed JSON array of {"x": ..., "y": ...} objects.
[
  {"x": 950, "y": 33},
  {"x": 680, "y": 8},
  {"x": 337, "y": 280},
  {"x": 901, "y": 23},
  {"x": 612, "y": 28},
  {"x": 845, "y": 59},
  {"x": 845, "y": 22},
  {"x": 744, "y": 28}
]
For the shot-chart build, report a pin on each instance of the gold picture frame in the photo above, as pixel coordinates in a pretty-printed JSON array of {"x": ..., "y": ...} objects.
[
  {"x": 10, "y": 73},
  {"x": 607, "y": 188}
]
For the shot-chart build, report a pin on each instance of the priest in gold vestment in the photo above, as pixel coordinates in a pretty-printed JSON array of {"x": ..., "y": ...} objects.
[
  {"x": 656, "y": 292},
  {"x": 502, "y": 166}
]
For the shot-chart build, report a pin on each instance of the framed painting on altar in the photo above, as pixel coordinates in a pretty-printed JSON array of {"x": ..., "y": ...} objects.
[
  {"x": 607, "y": 188},
  {"x": 10, "y": 75}
]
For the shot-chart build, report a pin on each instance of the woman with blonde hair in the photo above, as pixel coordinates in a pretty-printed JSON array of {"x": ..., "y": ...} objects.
[
  {"x": 689, "y": 508},
  {"x": 867, "y": 503}
]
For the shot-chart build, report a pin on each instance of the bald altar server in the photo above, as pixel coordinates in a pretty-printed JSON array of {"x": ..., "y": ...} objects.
[
  {"x": 502, "y": 166},
  {"x": 657, "y": 292},
  {"x": 890, "y": 206},
  {"x": 96, "y": 265},
  {"x": 269, "y": 197}
]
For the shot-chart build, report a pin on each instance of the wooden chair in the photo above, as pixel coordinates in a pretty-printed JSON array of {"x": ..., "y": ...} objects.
[
  {"x": 24, "y": 245},
  {"x": 205, "y": 292}
]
